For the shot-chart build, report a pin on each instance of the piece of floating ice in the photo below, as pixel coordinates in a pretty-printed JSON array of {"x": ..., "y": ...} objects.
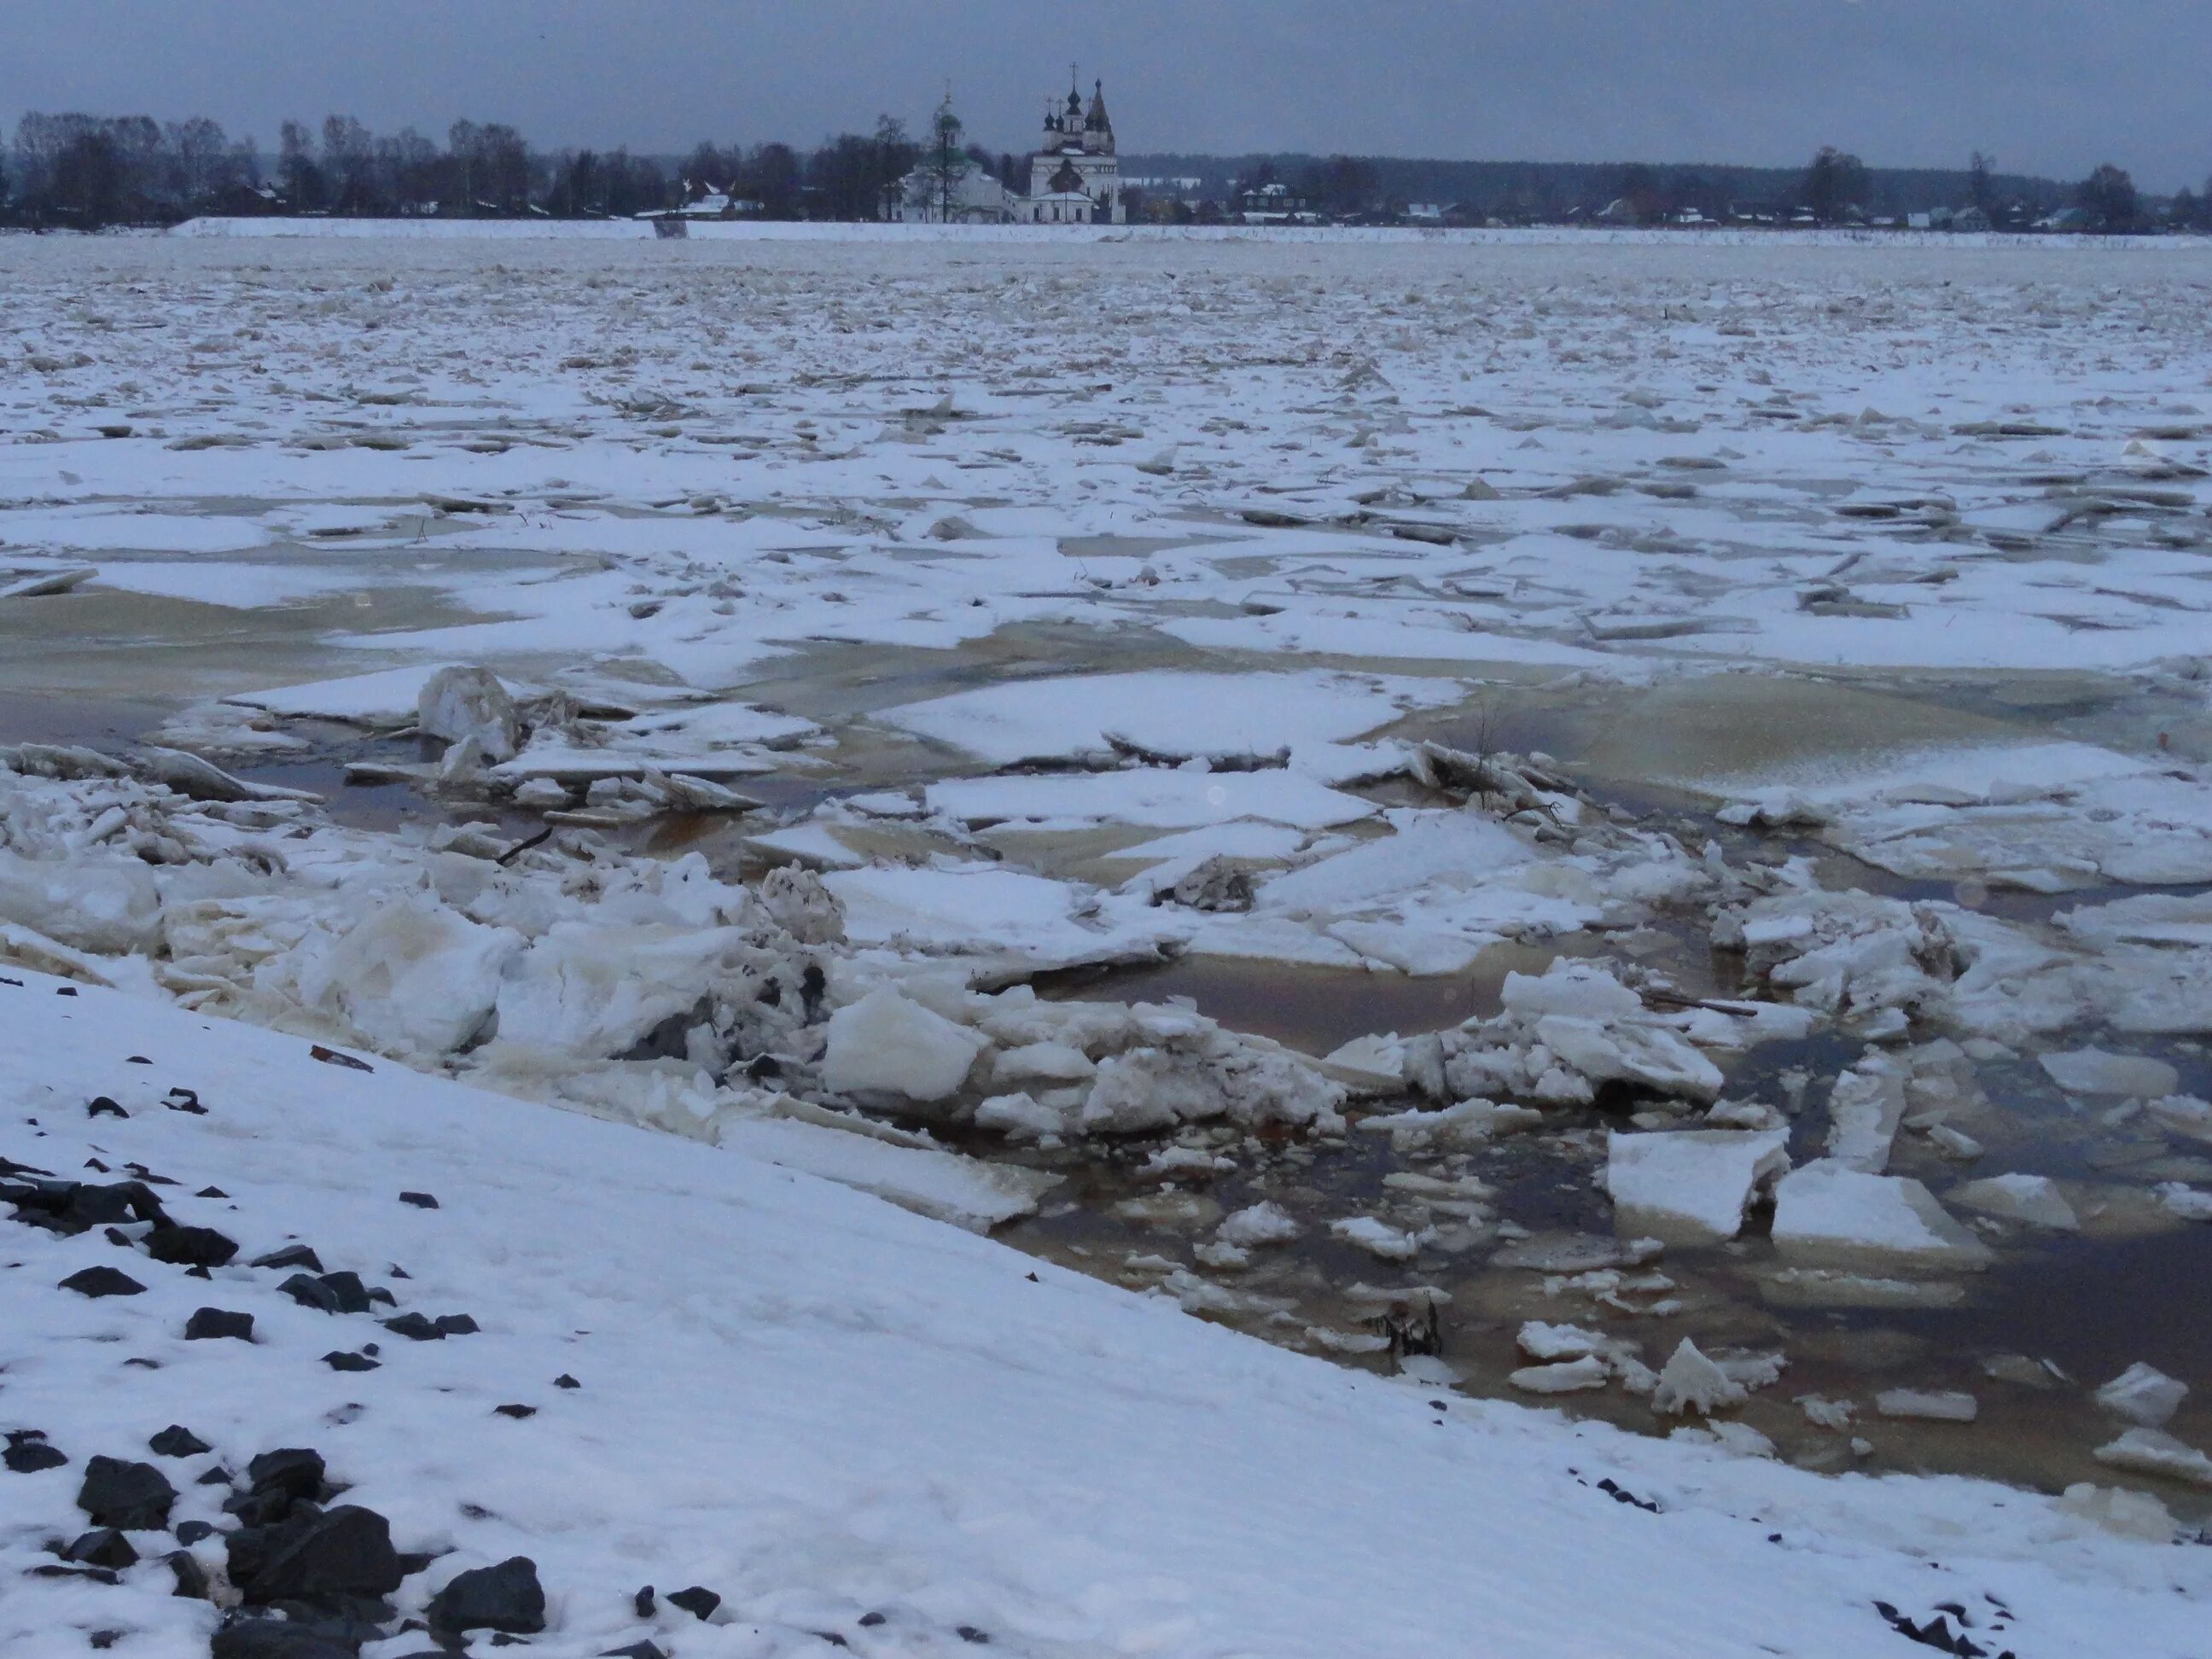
[
  {"x": 1828, "y": 1215},
  {"x": 2093, "y": 1072},
  {"x": 41, "y": 584},
  {"x": 1864, "y": 1109},
  {"x": 461, "y": 704},
  {"x": 389, "y": 697},
  {"x": 2144, "y": 1395},
  {"x": 1553, "y": 1343},
  {"x": 885, "y": 1044},
  {"x": 1828, "y": 1288},
  {"x": 1690, "y": 1381},
  {"x": 1690, "y": 1187},
  {"x": 203, "y": 781},
  {"x": 2153, "y": 1451},
  {"x": 1256, "y": 1226},
  {"x": 2184, "y": 1202},
  {"x": 1929, "y": 1404},
  {"x": 2033, "y": 1199},
  {"x": 1466, "y": 1124},
  {"x": 1379, "y": 1238},
  {"x": 942, "y": 1185},
  {"x": 1569, "y": 1376}
]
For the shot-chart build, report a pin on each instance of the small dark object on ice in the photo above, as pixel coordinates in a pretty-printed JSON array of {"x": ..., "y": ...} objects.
[
  {"x": 66, "y": 990},
  {"x": 1937, "y": 1633},
  {"x": 636, "y": 1650},
  {"x": 101, "y": 1106},
  {"x": 191, "y": 1532},
  {"x": 518, "y": 1413},
  {"x": 642, "y": 1603},
  {"x": 340, "y": 1360},
  {"x": 190, "y": 1247},
  {"x": 185, "y": 1100},
  {"x": 137, "y": 1059},
  {"x": 333, "y": 1057},
  {"x": 191, "y": 1578},
  {"x": 102, "y": 1281},
  {"x": 420, "y": 1201},
  {"x": 969, "y": 1633},
  {"x": 210, "y": 1191},
  {"x": 295, "y": 1471},
  {"x": 177, "y": 1441},
  {"x": 565, "y": 1381}
]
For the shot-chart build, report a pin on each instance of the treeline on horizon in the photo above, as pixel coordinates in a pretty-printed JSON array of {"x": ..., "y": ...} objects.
[{"x": 88, "y": 171}]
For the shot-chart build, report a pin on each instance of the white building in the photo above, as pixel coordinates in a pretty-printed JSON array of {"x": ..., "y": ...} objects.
[
  {"x": 1075, "y": 179},
  {"x": 977, "y": 198}
]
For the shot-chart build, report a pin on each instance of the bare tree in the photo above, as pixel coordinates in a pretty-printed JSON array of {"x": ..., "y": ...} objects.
[
  {"x": 2108, "y": 197},
  {"x": 944, "y": 164},
  {"x": 1835, "y": 183},
  {"x": 1981, "y": 180}
]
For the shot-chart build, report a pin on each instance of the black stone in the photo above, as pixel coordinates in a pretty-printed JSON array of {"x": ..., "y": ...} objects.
[
  {"x": 699, "y": 1602},
  {"x": 66, "y": 990},
  {"x": 177, "y": 1441},
  {"x": 518, "y": 1413},
  {"x": 192, "y": 1576},
  {"x": 507, "y": 1597},
  {"x": 870, "y": 1621},
  {"x": 565, "y": 1381},
  {"x": 210, "y": 1191},
  {"x": 191, "y": 1532},
  {"x": 55, "y": 1569},
  {"x": 642, "y": 1603},
  {"x": 292, "y": 1256},
  {"x": 137, "y": 1059},
  {"x": 185, "y": 1100},
  {"x": 134, "y": 1497},
  {"x": 420, "y": 1201},
  {"x": 28, "y": 1453},
  {"x": 115, "y": 1236},
  {"x": 217, "y": 1476},
  {"x": 315, "y": 1555},
  {"x": 457, "y": 1325},
  {"x": 636, "y": 1650},
  {"x": 103, "y": 1546},
  {"x": 190, "y": 1247},
  {"x": 97, "y": 1282},
  {"x": 352, "y": 1294},
  {"x": 340, "y": 1360},
  {"x": 101, "y": 1106},
  {"x": 207, "y": 1324},
  {"x": 415, "y": 1327},
  {"x": 310, "y": 1293},
  {"x": 969, "y": 1633},
  {"x": 197, "y": 1273},
  {"x": 295, "y": 1471},
  {"x": 275, "y": 1639}
]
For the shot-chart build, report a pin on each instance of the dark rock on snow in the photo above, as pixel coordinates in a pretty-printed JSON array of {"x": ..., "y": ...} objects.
[
  {"x": 420, "y": 1201},
  {"x": 292, "y": 1256},
  {"x": 295, "y": 1471},
  {"x": 177, "y": 1441},
  {"x": 507, "y": 1597},
  {"x": 191, "y": 1578},
  {"x": 191, "y": 1532},
  {"x": 28, "y": 1453},
  {"x": 339, "y": 1360},
  {"x": 699, "y": 1602},
  {"x": 97, "y": 1282},
  {"x": 190, "y": 1247},
  {"x": 103, "y": 1546},
  {"x": 208, "y": 1324},
  {"x": 134, "y": 1497},
  {"x": 271, "y": 1638},
  {"x": 314, "y": 1555}
]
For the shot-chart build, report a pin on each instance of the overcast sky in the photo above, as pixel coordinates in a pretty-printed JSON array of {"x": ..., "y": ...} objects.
[{"x": 2048, "y": 86}]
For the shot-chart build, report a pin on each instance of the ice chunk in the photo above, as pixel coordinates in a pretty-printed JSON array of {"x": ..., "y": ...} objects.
[
  {"x": 885, "y": 1044},
  {"x": 2144, "y": 1395},
  {"x": 1568, "y": 987},
  {"x": 802, "y": 906},
  {"x": 412, "y": 976},
  {"x": 1020, "y": 1117},
  {"x": 1645, "y": 1054},
  {"x": 2179, "y": 1200},
  {"x": 2033, "y": 1199},
  {"x": 1828, "y": 1215},
  {"x": 1550, "y": 1343},
  {"x": 1691, "y": 1382},
  {"x": 1042, "y": 1062},
  {"x": 2153, "y": 1451},
  {"x": 1569, "y": 1376},
  {"x": 1929, "y": 1404},
  {"x": 1825, "y": 1413},
  {"x": 2093, "y": 1072},
  {"x": 2128, "y": 1514},
  {"x": 1693, "y": 1186},
  {"x": 110, "y": 908},
  {"x": 1256, "y": 1225},
  {"x": 1379, "y": 1238},
  {"x": 1865, "y": 1109},
  {"x": 458, "y": 703}
]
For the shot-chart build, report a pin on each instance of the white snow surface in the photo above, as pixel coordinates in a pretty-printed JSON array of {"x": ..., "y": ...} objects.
[{"x": 823, "y": 1406}]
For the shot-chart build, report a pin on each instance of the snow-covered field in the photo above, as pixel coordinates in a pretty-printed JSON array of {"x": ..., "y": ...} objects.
[{"x": 1719, "y": 727}]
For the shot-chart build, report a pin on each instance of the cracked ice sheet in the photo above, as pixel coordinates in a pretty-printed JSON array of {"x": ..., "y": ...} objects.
[
  {"x": 1149, "y": 797},
  {"x": 2050, "y": 816},
  {"x": 1172, "y": 713},
  {"x": 1000, "y": 918}
]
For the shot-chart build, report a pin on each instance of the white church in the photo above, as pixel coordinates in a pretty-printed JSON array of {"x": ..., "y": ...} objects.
[{"x": 1075, "y": 178}]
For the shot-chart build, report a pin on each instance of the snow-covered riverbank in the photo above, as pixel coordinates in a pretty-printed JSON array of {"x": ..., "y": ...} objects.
[{"x": 844, "y": 1420}]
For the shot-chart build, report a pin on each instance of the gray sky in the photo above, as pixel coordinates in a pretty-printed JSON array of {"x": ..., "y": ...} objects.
[{"x": 2048, "y": 86}]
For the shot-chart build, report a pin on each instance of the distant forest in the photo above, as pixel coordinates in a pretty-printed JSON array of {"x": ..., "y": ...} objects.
[{"x": 1551, "y": 189}]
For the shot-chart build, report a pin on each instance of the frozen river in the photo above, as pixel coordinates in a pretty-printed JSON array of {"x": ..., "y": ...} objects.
[{"x": 1486, "y": 808}]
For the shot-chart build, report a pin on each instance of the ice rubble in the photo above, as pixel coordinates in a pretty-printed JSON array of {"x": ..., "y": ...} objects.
[
  {"x": 1827, "y": 1214},
  {"x": 1692, "y": 1186}
]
